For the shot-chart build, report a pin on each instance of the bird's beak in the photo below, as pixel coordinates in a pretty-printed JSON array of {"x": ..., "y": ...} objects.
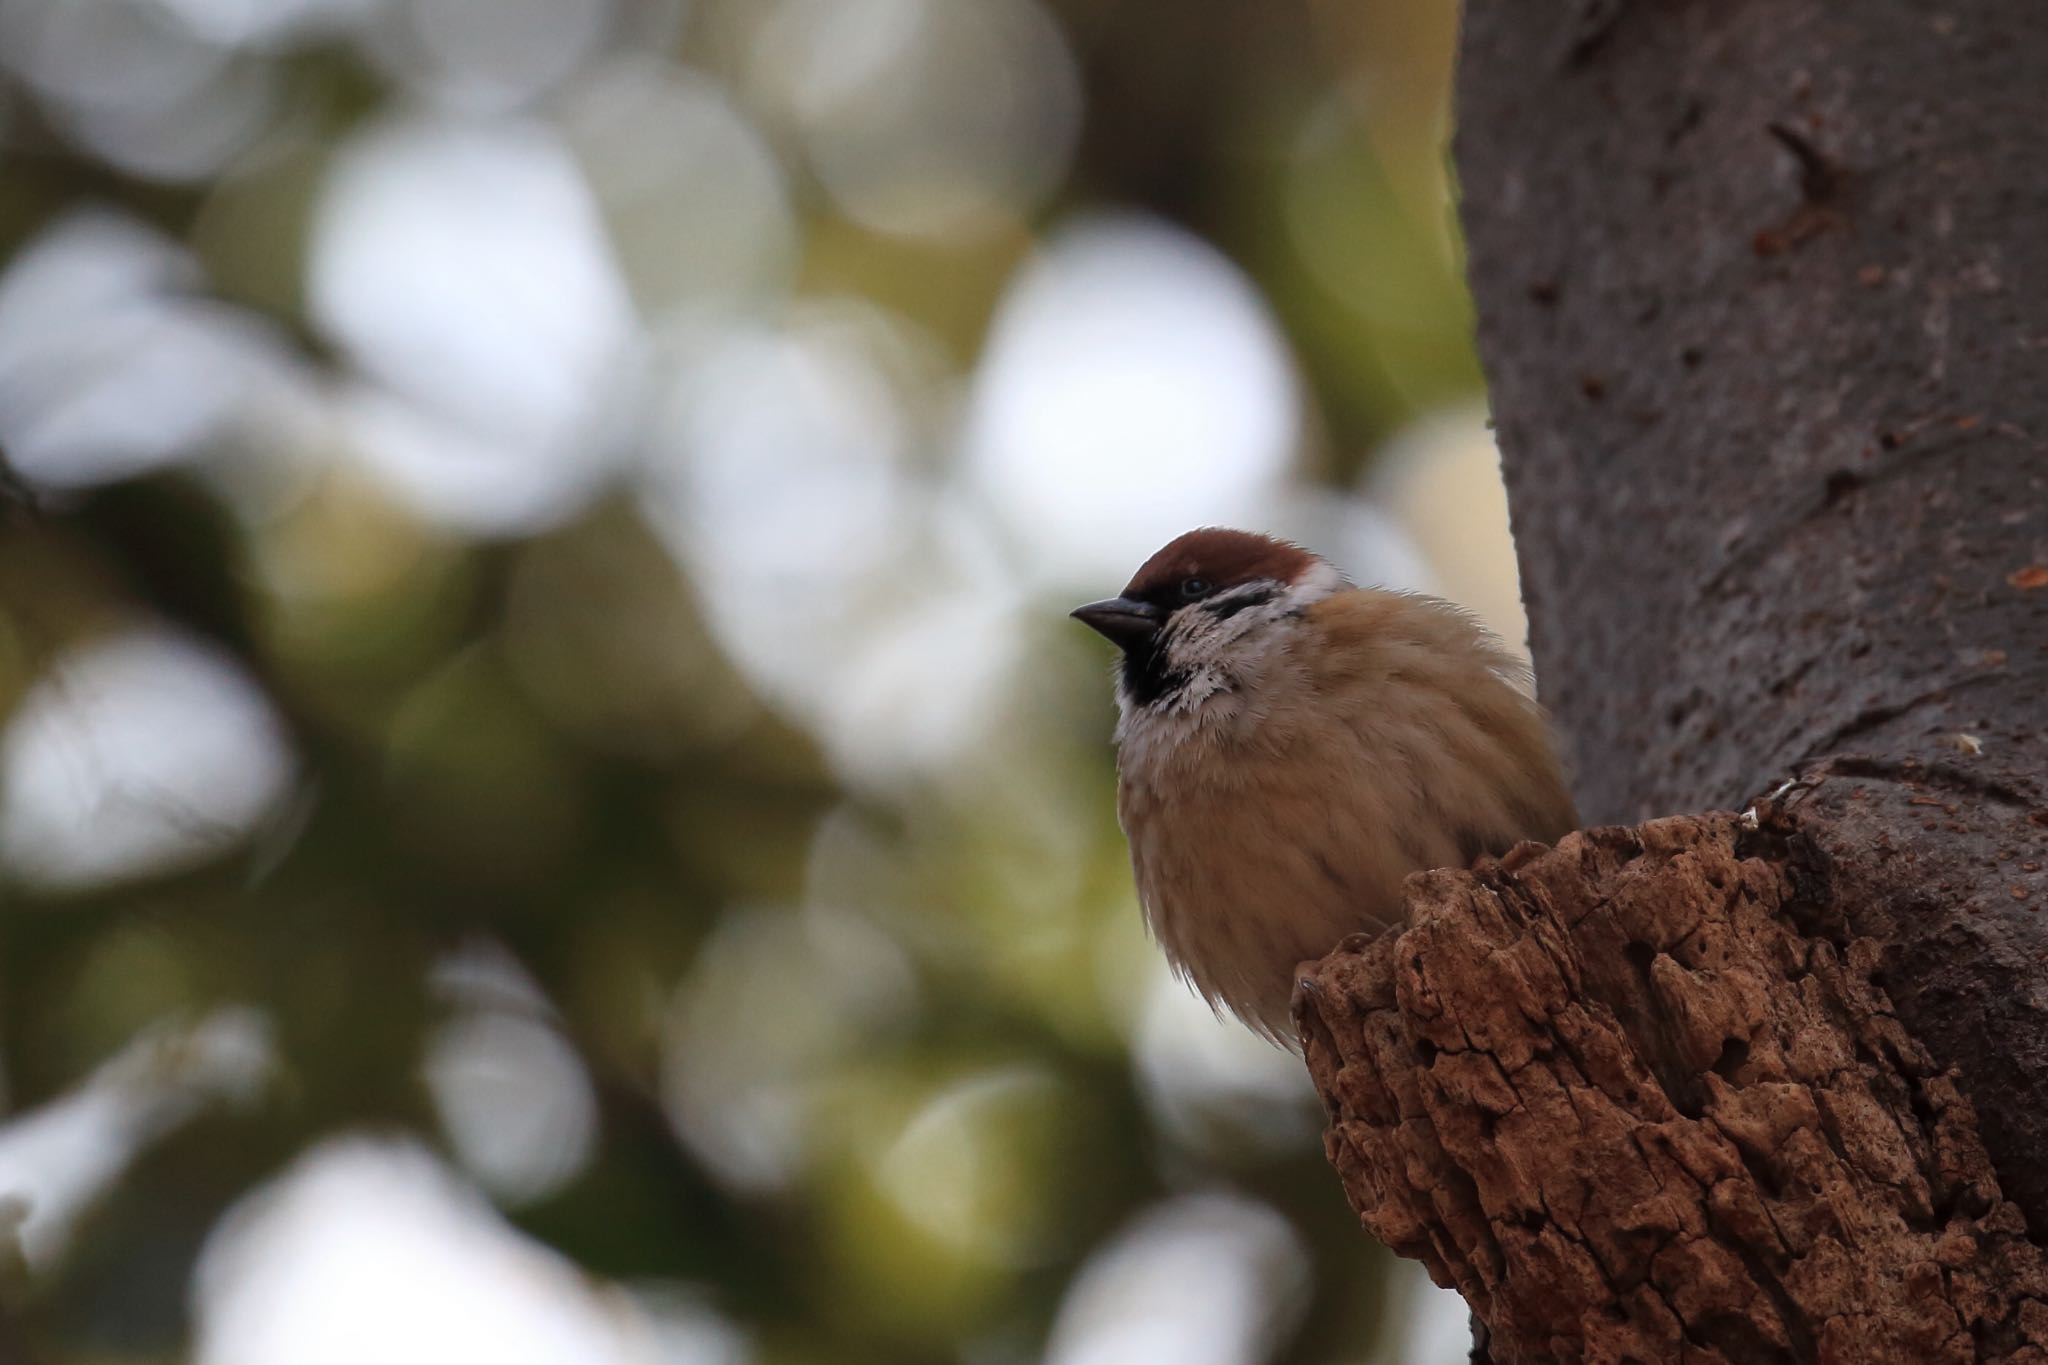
[{"x": 1120, "y": 620}]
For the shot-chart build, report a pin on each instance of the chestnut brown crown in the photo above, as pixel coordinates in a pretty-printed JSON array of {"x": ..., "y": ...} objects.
[{"x": 1217, "y": 558}]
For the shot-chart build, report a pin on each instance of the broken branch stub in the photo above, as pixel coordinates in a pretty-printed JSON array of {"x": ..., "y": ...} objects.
[{"x": 1635, "y": 1099}]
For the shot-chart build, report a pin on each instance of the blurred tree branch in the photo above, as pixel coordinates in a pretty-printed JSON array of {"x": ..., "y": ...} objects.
[
  {"x": 18, "y": 504},
  {"x": 1694, "y": 1089},
  {"x": 14, "y": 1276}
]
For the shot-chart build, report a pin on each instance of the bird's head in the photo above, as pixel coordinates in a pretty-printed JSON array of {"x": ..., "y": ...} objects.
[{"x": 1205, "y": 612}]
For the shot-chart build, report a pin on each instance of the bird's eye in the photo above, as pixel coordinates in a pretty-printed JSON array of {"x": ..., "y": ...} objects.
[{"x": 1194, "y": 587}]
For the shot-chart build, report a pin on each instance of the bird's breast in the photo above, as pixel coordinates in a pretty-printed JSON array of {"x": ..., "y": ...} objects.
[{"x": 1248, "y": 864}]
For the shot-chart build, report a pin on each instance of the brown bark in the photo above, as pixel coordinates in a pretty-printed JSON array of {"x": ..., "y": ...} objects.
[
  {"x": 1763, "y": 296},
  {"x": 1644, "y": 1096}
]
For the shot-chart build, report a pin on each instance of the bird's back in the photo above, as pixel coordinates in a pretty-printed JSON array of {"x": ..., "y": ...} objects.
[{"x": 1429, "y": 688}]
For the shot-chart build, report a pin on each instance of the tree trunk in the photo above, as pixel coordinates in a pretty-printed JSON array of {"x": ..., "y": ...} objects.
[{"x": 1763, "y": 296}]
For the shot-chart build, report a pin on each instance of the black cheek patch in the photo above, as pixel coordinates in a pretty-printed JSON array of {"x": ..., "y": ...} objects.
[{"x": 1225, "y": 608}]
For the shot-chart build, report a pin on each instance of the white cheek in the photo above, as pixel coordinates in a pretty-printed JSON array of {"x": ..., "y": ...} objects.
[{"x": 1229, "y": 645}]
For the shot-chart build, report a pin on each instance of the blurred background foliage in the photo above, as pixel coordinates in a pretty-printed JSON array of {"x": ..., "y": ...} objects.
[{"x": 548, "y": 810}]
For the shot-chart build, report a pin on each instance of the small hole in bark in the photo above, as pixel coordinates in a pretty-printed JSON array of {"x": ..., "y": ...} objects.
[
  {"x": 1923, "y": 1107},
  {"x": 1640, "y": 955},
  {"x": 1841, "y": 483},
  {"x": 1426, "y": 1050},
  {"x": 1734, "y": 1053}
]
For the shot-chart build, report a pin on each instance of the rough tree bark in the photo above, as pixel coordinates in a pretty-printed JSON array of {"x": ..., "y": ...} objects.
[{"x": 1763, "y": 295}]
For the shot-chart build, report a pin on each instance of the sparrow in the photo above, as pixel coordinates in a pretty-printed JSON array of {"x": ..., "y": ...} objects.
[{"x": 1290, "y": 747}]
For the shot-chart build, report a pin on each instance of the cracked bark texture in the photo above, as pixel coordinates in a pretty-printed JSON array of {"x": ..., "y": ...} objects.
[
  {"x": 1645, "y": 1097},
  {"x": 1763, "y": 301}
]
